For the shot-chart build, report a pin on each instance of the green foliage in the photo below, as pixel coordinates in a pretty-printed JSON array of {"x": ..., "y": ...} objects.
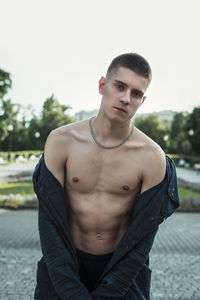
[
  {"x": 152, "y": 127},
  {"x": 13, "y": 155},
  {"x": 188, "y": 158},
  {"x": 179, "y": 142},
  {"x": 23, "y": 194},
  {"x": 31, "y": 134},
  {"x": 193, "y": 130},
  {"x": 18, "y": 203},
  {"x": 8, "y": 123},
  {"x": 5, "y": 83},
  {"x": 52, "y": 116},
  {"x": 185, "y": 133},
  {"x": 20, "y": 129},
  {"x": 188, "y": 193}
]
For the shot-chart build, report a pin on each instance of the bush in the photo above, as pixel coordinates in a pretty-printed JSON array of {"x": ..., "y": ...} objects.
[
  {"x": 11, "y": 156},
  {"x": 188, "y": 158}
]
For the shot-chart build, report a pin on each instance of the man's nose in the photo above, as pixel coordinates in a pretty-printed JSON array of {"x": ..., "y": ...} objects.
[{"x": 125, "y": 99}]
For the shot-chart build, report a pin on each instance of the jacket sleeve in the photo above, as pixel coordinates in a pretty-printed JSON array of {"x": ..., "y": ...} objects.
[
  {"x": 118, "y": 281},
  {"x": 61, "y": 268}
]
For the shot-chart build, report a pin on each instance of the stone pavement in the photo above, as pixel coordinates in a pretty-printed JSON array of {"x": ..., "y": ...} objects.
[
  {"x": 174, "y": 258},
  {"x": 16, "y": 168}
]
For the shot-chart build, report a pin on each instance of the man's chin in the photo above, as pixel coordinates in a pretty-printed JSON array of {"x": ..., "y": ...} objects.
[{"x": 119, "y": 119}]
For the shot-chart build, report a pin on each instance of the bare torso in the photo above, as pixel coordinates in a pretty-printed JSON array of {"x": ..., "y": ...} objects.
[{"x": 102, "y": 186}]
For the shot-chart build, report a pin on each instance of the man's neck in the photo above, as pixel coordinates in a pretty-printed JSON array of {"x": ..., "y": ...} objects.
[{"x": 110, "y": 130}]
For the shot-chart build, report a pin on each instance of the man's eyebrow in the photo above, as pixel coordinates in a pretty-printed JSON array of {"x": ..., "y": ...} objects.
[
  {"x": 118, "y": 81},
  {"x": 134, "y": 90}
]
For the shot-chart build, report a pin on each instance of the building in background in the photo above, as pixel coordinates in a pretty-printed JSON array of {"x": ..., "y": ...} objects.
[{"x": 164, "y": 115}]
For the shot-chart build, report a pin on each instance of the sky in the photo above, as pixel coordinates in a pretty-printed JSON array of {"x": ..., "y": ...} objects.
[{"x": 63, "y": 47}]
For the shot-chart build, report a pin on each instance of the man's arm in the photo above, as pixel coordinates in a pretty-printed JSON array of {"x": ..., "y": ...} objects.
[
  {"x": 153, "y": 168},
  {"x": 61, "y": 268},
  {"x": 56, "y": 152}
]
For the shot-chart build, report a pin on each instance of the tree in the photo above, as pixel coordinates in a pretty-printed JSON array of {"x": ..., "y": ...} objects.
[
  {"x": 177, "y": 125},
  {"x": 5, "y": 83},
  {"x": 5, "y": 109},
  {"x": 178, "y": 141},
  {"x": 8, "y": 124},
  {"x": 193, "y": 130},
  {"x": 152, "y": 127},
  {"x": 52, "y": 116}
]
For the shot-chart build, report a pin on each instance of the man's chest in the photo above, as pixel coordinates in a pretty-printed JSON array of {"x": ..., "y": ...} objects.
[{"x": 111, "y": 171}]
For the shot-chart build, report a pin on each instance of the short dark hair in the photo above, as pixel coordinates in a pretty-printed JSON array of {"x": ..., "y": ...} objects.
[{"x": 131, "y": 61}]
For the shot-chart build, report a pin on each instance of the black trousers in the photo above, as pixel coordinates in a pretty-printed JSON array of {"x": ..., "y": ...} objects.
[{"x": 91, "y": 267}]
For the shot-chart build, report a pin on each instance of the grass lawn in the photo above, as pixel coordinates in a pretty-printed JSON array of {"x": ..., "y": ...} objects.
[
  {"x": 26, "y": 195},
  {"x": 22, "y": 188},
  {"x": 25, "y": 188},
  {"x": 188, "y": 194}
]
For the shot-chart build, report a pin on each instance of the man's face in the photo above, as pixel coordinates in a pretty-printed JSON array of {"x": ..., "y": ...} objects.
[{"x": 123, "y": 93}]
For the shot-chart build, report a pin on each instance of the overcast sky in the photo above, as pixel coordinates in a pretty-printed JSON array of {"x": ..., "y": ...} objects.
[{"x": 63, "y": 47}]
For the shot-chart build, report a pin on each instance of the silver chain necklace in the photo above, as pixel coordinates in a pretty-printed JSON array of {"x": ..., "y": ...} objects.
[{"x": 108, "y": 147}]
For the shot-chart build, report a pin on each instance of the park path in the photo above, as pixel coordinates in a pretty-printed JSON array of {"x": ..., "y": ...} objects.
[
  {"x": 16, "y": 168},
  {"x": 174, "y": 259},
  {"x": 189, "y": 175},
  {"x": 175, "y": 256}
]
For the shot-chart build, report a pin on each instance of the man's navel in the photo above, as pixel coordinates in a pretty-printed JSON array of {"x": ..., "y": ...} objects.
[{"x": 99, "y": 236}]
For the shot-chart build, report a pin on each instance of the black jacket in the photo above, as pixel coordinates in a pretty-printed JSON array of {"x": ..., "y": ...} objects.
[{"x": 127, "y": 276}]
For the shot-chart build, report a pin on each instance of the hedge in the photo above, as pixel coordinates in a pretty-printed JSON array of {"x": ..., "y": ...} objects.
[{"x": 11, "y": 156}]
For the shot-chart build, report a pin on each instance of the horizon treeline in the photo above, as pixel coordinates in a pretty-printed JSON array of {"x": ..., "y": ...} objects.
[{"x": 21, "y": 129}]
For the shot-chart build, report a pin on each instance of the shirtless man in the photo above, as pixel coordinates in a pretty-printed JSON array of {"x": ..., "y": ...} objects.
[{"x": 105, "y": 163}]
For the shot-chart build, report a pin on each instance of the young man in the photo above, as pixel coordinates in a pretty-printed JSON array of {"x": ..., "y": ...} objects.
[{"x": 107, "y": 170}]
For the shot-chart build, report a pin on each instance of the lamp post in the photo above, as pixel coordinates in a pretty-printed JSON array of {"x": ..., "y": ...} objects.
[
  {"x": 191, "y": 132},
  {"x": 166, "y": 138},
  {"x": 37, "y": 135},
  {"x": 10, "y": 129}
]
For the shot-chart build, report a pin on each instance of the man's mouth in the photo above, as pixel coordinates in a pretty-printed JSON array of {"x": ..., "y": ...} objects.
[{"x": 119, "y": 108}]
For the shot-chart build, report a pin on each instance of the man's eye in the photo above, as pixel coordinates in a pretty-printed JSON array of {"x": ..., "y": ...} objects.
[
  {"x": 136, "y": 95},
  {"x": 120, "y": 87}
]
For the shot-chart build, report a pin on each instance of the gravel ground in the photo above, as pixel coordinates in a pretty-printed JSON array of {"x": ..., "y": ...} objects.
[
  {"x": 174, "y": 258},
  {"x": 18, "y": 269},
  {"x": 173, "y": 276}
]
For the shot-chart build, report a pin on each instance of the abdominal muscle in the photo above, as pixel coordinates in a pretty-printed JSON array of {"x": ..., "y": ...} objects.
[{"x": 97, "y": 222}]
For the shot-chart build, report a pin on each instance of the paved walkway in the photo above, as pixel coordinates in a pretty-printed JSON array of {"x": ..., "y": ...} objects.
[
  {"x": 189, "y": 175},
  {"x": 16, "y": 168},
  {"x": 175, "y": 257},
  {"x": 13, "y": 169}
]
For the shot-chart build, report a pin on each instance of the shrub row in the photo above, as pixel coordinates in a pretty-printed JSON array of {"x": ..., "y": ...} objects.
[
  {"x": 189, "y": 159},
  {"x": 11, "y": 156}
]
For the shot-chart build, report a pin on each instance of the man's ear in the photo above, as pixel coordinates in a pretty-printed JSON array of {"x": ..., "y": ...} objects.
[{"x": 102, "y": 82}]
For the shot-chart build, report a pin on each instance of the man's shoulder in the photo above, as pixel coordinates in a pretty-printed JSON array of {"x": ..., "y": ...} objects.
[
  {"x": 148, "y": 147},
  {"x": 153, "y": 161},
  {"x": 67, "y": 133}
]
